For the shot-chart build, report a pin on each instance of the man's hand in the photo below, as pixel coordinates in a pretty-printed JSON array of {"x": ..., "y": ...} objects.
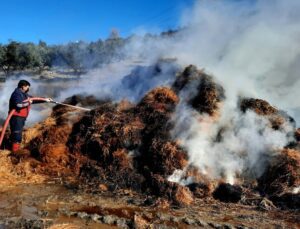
[{"x": 49, "y": 100}]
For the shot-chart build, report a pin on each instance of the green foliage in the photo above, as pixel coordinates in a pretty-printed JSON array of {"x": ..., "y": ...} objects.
[
  {"x": 79, "y": 56},
  {"x": 2, "y": 55}
]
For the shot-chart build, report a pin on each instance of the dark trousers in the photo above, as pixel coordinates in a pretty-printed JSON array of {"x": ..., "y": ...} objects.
[{"x": 16, "y": 127}]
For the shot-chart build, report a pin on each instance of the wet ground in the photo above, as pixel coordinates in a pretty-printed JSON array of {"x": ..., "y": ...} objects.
[{"x": 51, "y": 204}]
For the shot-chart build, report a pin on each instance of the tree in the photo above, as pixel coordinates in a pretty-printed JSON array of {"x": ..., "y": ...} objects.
[
  {"x": 11, "y": 57},
  {"x": 45, "y": 55},
  {"x": 2, "y": 57}
]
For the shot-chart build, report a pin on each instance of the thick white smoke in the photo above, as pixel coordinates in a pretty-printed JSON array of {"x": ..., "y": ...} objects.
[
  {"x": 231, "y": 145},
  {"x": 253, "y": 49}
]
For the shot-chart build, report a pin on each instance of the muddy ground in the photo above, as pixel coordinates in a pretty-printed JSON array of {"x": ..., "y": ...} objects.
[{"x": 29, "y": 200}]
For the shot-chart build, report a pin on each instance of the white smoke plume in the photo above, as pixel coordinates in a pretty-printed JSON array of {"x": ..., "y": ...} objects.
[
  {"x": 252, "y": 48},
  {"x": 230, "y": 146}
]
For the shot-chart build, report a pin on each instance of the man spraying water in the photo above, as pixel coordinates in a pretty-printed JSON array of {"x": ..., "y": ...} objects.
[{"x": 19, "y": 107}]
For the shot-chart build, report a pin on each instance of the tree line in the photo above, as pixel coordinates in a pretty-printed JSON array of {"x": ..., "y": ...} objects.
[{"x": 78, "y": 56}]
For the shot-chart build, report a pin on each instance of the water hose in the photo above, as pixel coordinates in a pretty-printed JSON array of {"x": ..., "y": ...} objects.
[
  {"x": 5, "y": 125},
  {"x": 68, "y": 105}
]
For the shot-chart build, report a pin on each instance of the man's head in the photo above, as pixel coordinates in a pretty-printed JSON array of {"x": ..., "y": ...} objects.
[{"x": 24, "y": 85}]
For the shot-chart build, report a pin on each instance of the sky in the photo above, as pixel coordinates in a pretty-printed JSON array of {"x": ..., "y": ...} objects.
[{"x": 61, "y": 21}]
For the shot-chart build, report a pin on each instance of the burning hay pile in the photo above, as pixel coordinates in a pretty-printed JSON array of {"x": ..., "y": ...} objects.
[{"x": 127, "y": 145}]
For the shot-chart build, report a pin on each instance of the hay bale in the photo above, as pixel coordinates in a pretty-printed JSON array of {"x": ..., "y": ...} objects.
[
  {"x": 163, "y": 157},
  {"x": 259, "y": 106},
  {"x": 282, "y": 174},
  {"x": 159, "y": 100},
  {"x": 156, "y": 109},
  {"x": 228, "y": 193},
  {"x": 277, "y": 118},
  {"x": 103, "y": 131},
  {"x": 47, "y": 142},
  {"x": 204, "y": 93}
]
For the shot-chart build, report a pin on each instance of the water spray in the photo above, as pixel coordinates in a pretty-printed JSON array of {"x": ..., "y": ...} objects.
[{"x": 68, "y": 105}]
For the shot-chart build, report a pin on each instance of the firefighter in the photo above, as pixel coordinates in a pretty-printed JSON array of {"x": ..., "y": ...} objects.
[{"x": 21, "y": 101}]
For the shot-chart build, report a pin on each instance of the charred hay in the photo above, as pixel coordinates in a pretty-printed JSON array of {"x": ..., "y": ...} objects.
[
  {"x": 206, "y": 93},
  {"x": 228, "y": 193},
  {"x": 104, "y": 131},
  {"x": 156, "y": 110},
  {"x": 282, "y": 175},
  {"x": 127, "y": 141},
  {"x": 50, "y": 147},
  {"x": 176, "y": 193},
  {"x": 169, "y": 153},
  {"x": 261, "y": 107},
  {"x": 281, "y": 181},
  {"x": 200, "y": 190},
  {"x": 49, "y": 144}
]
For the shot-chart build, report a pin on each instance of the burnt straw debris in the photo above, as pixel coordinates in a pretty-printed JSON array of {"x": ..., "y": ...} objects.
[
  {"x": 281, "y": 180},
  {"x": 228, "y": 193}
]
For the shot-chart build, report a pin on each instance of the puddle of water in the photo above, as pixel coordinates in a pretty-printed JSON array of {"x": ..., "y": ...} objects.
[{"x": 50, "y": 201}]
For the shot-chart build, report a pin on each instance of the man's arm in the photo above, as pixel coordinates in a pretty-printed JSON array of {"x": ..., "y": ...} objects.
[{"x": 35, "y": 100}]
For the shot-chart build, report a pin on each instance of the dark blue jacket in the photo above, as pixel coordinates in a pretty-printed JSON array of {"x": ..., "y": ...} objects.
[{"x": 19, "y": 102}]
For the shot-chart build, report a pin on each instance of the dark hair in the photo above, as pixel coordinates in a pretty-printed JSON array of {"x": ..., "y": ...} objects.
[{"x": 23, "y": 83}]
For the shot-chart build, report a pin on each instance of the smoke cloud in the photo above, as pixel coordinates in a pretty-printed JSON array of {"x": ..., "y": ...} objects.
[{"x": 252, "y": 49}]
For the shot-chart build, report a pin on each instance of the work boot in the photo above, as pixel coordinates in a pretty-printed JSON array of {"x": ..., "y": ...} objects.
[
  {"x": 15, "y": 147},
  {"x": 17, "y": 153}
]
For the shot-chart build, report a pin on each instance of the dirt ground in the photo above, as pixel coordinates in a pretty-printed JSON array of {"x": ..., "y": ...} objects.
[{"x": 29, "y": 200}]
